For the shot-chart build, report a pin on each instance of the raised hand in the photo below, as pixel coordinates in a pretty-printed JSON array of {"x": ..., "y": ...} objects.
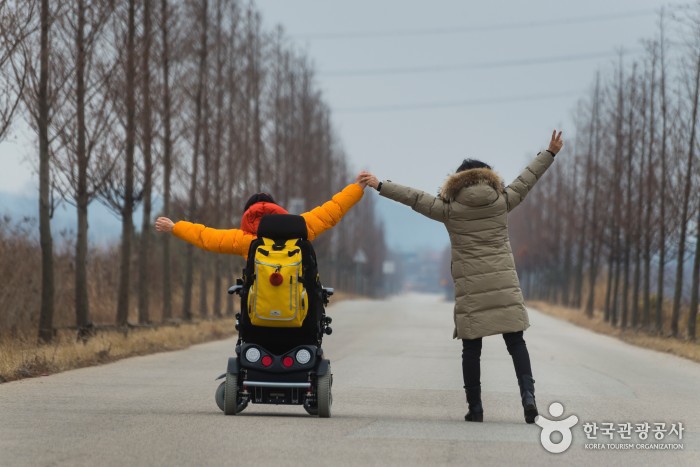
[
  {"x": 163, "y": 224},
  {"x": 556, "y": 142}
]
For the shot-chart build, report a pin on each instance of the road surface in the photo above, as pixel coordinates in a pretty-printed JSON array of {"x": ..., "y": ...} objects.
[{"x": 398, "y": 400}]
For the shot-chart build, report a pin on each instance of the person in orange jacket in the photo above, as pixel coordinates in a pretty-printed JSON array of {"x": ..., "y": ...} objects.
[{"x": 237, "y": 241}]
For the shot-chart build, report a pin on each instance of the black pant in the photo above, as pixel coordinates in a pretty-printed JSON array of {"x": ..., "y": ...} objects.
[{"x": 471, "y": 357}]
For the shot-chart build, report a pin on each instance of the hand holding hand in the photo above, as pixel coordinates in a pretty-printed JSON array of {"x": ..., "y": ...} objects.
[
  {"x": 361, "y": 179},
  {"x": 371, "y": 180},
  {"x": 556, "y": 142},
  {"x": 163, "y": 224}
]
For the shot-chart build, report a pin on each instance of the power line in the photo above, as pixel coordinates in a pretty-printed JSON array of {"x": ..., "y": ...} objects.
[
  {"x": 477, "y": 28},
  {"x": 472, "y": 66},
  {"x": 455, "y": 104}
]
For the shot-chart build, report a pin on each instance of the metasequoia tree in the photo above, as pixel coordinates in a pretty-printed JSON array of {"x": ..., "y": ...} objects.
[
  {"x": 638, "y": 199},
  {"x": 84, "y": 161},
  {"x": 120, "y": 93}
]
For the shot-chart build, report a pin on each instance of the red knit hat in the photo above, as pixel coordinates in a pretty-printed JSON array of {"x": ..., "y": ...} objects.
[{"x": 252, "y": 215}]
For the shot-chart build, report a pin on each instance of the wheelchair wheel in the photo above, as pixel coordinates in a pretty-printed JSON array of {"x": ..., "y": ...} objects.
[
  {"x": 219, "y": 396},
  {"x": 231, "y": 394},
  {"x": 324, "y": 396}
]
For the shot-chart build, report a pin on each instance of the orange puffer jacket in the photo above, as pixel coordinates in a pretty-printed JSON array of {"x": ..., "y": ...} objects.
[{"x": 237, "y": 241}]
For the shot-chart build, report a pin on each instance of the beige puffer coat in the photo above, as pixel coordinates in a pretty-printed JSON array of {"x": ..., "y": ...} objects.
[{"x": 474, "y": 206}]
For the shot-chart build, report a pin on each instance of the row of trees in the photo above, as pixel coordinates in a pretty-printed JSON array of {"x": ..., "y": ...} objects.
[
  {"x": 182, "y": 107},
  {"x": 616, "y": 226}
]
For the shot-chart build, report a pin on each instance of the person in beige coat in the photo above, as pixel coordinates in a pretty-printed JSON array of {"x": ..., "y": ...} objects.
[{"x": 474, "y": 205}]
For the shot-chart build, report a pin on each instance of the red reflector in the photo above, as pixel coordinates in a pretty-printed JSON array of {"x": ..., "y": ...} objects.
[
  {"x": 266, "y": 360},
  {"x": 287, "y": 361},
  {"x": 276, "y": 279}
]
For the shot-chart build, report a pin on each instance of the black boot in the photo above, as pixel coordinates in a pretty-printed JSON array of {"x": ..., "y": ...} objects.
[
  {"x": 527, "y": 392},
  {"x": 476, "y": 411}
]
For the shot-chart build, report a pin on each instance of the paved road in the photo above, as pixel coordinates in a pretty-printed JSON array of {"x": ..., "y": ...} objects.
[{"x": 398, "y": 400}]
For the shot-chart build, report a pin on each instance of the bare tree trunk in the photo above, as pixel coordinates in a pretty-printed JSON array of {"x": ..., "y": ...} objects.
[
  {"x": 556, "y": 229},
  {"x": 648, "y": 197},
  {"x": 594, "y": 250},
  {"x": 147, "y": 136},
  {"x": 230, "y": 182},
  {"x": 628, "y": 203},
  {"x": 254, "y": 77},
  {"x": 167, "y": 160},
  {"x": 592, "y": 277},
  {"x": 644, "y": 190},
  {"x": 278, "y": 114},
  {"x": 646, "y": 287},
  {"x": 290, "y": 137},
  {"x": 233, "y": 141},
  {"x": 686, "y": 201},
  {"x": 189, "y": 258},
  {"x": 662, "y": 192},
  {"x": 218, "y": 185},
  {"x": 569, "y": 235},
  {"x": 637, "y": 272},
  {"x": 189, "y": 250},
  {"x": 204, "y": 258},
  {"x": 585, "y": 227},
  {"x": 45, "y": 239},
  {"x": 626, "y": 273},
  {"x": 128, "y": 206},
  {"x": 609, "y": 285},
  {"x": 611, "y": 308},
  {"x": 615, "y": 313},
  {"x": 82, "y": 310}
]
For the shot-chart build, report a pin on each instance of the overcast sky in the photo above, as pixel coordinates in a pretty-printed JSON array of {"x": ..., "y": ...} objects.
[{"x": 416, "y": 86}]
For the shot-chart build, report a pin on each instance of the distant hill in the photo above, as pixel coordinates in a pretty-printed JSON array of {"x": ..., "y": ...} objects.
[
  {"x": 104, "y": 226},
  {"x": 406, "y": 230}
]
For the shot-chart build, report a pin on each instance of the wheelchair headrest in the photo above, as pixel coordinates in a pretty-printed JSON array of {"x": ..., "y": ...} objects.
[{"x": 282, "y": 227}]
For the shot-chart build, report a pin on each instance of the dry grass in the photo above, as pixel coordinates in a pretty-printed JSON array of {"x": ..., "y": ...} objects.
[
  {"x": 681, "y": 348},
  {"x": 21, "y": 357},
  {"x": 24, "y": 359},
  {"x": 20, "y": 281}
]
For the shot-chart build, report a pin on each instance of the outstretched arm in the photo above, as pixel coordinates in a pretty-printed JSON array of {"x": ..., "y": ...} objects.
[
  {"x": 521, "y": 186},
  {"x": 326, "y": 216},
  {"x": 229, "y": 241},
  {"x": 420, "y": 201}
]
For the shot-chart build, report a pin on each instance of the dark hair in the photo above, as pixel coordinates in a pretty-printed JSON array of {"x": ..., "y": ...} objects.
[
  {"x": 258, "y": 198},
  {"x": 469, "y": 164}
]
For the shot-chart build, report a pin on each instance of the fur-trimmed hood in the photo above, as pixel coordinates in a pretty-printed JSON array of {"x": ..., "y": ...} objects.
[{"x": 470, "y": 177}]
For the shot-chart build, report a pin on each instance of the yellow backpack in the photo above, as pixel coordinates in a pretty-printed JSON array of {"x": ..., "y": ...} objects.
[{"x": 277, "y": 297}]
